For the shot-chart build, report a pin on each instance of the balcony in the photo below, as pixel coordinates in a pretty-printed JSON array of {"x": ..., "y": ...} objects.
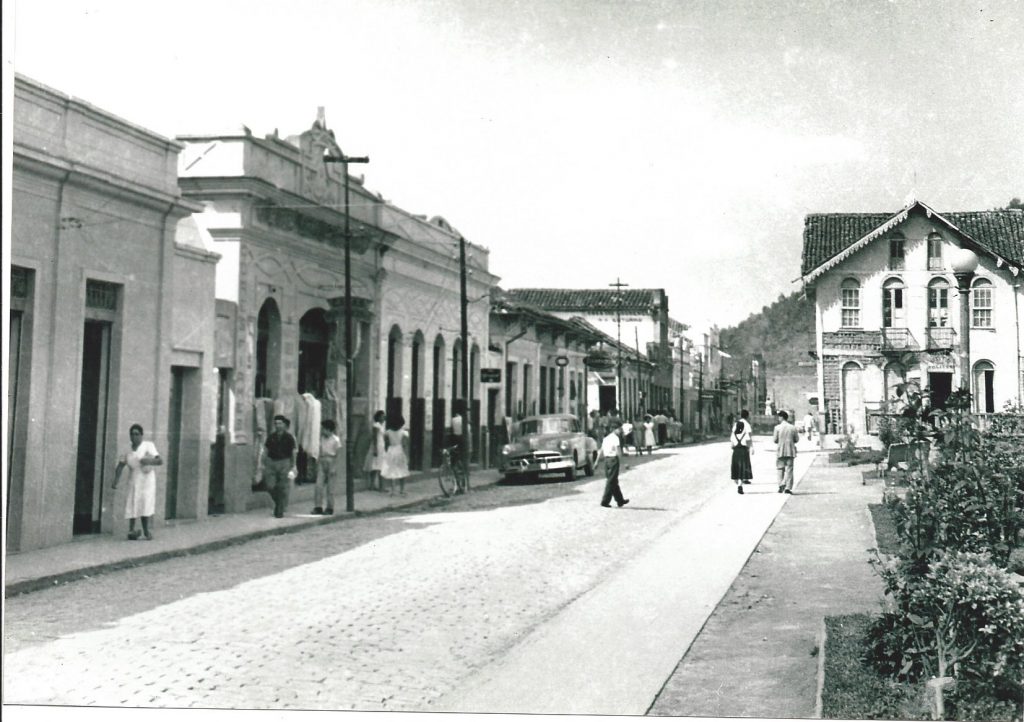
[
  {"x": 940, "y": 338},
  {"x": 897, "y": 340}
]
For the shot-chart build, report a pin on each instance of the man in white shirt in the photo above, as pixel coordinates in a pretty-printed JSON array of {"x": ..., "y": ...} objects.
[
  {"x": 810, "y": 424},
  {"x": 611, "y": 449}
]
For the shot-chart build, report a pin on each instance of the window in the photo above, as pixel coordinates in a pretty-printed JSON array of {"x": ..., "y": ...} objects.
[
  {"x": 938, "y": 303},
  {"x": 897, "y": 246},
  {"x": 934, "y": 252},
  {"x": 893, "y": 310},
  {"x": 850, "y": 293},
  {"x": 981, "y": 304}
]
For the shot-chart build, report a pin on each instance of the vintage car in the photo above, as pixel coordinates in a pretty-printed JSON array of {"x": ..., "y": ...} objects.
[{"x": 549, "y": 443}]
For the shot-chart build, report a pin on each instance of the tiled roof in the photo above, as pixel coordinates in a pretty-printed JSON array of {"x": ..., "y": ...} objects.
[
  {"x": 828, "y": 234},
  {"x": 589, "y": 299}
]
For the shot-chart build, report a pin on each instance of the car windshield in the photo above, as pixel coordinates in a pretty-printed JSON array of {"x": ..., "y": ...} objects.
[{"x": 543, "y": 426}]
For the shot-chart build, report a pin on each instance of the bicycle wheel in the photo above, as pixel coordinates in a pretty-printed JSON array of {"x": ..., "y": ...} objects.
[{"x": 446, "y": 479}]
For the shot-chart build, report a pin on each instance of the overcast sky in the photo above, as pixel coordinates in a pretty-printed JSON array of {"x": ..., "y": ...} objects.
[{"x": 672, "y": 144}]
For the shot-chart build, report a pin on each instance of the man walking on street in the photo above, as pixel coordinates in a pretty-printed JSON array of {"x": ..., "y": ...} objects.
[
  {"x": 785, "y": 436},
  {"x": 611, "y": 449}
]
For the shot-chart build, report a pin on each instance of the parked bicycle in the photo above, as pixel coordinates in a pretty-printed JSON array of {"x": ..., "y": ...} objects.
[{"x": 452, "y": 475}]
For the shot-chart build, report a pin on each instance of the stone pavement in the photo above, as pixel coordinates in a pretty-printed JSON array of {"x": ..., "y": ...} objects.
[
  {"x": 94, "y": 554},
  {"x": 401, "y": 621},
  {"x": 758, "y": 655}
]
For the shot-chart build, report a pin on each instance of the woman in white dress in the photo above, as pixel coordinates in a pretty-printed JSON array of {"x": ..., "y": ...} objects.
[
  {"x": 141, "y": 501},
  {"x": 375, "y": 453},
  {"x": 396, "y": 457}
]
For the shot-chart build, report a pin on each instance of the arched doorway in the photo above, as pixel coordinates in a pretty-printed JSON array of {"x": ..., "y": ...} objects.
[
  {"x": 984, "y": 387},
  {"x": 438, "y": 415},
  {"x": 853, "y": 399},
  {"x": 393, "y": 395},
  {"x": 417, "y": 404},
  {"x": 268, "y": 350},
  {"x": 314, "y": 342}
]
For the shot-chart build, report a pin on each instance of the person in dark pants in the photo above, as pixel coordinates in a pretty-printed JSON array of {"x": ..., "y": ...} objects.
[
  {"x": 611, "y": 449},
  {"x": 277, "y": 464}
]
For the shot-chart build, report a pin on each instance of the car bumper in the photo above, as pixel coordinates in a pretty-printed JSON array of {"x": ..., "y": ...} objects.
[{"x": 514, "y": 467}]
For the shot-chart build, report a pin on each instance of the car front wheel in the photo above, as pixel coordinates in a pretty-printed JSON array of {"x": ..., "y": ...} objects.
[{"x": 570, "y": 473}]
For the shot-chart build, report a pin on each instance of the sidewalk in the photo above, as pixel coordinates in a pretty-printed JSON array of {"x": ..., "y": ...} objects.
[
  {"x": 90, "y": 555},
  {"x": 758, "y": 653}
]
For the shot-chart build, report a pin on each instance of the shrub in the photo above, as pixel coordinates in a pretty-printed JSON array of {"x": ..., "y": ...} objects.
[{"x": 963, "y": 614}]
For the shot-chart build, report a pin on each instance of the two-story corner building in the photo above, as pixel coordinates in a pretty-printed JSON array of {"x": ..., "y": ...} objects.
[
  {"x": 111, "y": 321},
  {"x": 637, "y": 318},
  {"x": 420, "y": 348},
  {"x": 276, "y": 213},
  {"x": 539, "y": 365},
  {"x": 917, "y": 296}
]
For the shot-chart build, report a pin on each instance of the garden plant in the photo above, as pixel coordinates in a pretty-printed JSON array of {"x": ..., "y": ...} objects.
[{"x": 955, "y": 611}]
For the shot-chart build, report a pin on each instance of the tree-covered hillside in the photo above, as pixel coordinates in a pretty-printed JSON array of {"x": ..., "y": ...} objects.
[{"x": 782, "y": 332}]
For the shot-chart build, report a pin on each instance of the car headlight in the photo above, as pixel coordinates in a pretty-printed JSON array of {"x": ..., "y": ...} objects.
[
  {"x": 563, "y": 445},
  {"x": 506, "y": 449}
]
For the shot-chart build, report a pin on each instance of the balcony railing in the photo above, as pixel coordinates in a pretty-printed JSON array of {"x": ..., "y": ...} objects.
[
  {"x": 898, "y": 339},
  {"x": 940, "y": 338}
]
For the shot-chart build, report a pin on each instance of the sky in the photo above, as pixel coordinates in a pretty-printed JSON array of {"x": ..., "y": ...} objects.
[{"x": 668, "y": 143}]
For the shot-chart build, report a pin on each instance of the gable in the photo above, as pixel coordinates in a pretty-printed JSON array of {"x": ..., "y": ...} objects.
[{"x": 829, "y": 238}]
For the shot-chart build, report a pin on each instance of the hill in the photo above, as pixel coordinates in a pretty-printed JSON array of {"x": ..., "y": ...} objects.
[{"x": 783, "y": 333}]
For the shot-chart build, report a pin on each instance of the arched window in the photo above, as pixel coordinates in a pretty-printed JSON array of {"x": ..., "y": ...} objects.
[
  {"x": 314, "y": 341},
  {"x": 981, "y": 303},
  {"x": 934, "y": 251},
  {"x": 894, "y": 312},
  {"x": 984, "y": 387},
  {"x": 850, "y": 299},
  {"x": 938, "y": 303},
  {"x": 897, "y": 252},
  {"x": 268, "y": 350}
]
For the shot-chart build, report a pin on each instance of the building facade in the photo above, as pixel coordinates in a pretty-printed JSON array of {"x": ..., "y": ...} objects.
[
  {"x": 112, "y": 321},
  {"x": 276, "y": 213},
  {"x": 637, "y": 322},
  {"x": 420, "y": 347},
  {"x": 920, "y": 297}
]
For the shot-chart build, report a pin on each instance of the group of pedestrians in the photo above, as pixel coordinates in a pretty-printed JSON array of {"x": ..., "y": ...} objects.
[{"x": 741, "y": 438}]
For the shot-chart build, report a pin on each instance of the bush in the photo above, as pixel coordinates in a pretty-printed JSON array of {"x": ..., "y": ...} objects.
[{"x": 963, "y": 614}]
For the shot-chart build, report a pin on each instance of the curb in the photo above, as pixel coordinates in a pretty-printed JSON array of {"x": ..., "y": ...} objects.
[
  {"x": 820, "y": 684},
  {"x": 28, "y": 586}
]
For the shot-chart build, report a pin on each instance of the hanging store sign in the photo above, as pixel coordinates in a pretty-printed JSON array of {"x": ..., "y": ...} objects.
[{"x": 490, "y": 376}]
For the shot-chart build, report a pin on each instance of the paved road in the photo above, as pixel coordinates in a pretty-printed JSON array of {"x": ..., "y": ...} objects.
[{"x": 411, "y": 612}]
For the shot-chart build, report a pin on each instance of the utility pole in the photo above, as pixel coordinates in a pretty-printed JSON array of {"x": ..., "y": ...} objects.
[
  {"x": 700, "y": 397},
  {"x": 467, "y": 426},
  {"x": 350, "y": 497},
  {"x": 618, "y": 286}
]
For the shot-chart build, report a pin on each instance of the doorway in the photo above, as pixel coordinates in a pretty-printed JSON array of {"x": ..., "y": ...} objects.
[
  {"x": 853, "y": 400},
  {"x": 174, "y": 441},
  {"x": 92, "y": 427},
  {"x": 940, "y": 384}
]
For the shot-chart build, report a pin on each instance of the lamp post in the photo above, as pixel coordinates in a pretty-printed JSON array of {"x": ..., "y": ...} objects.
[
  {"x": 349, "y": 482},
  {"x": 964, "y": 262}
]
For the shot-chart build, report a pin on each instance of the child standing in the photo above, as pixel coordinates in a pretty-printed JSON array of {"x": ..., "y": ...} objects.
[
  {"x": 327, "y": 468},
  {"x": 396, "y": 455}
]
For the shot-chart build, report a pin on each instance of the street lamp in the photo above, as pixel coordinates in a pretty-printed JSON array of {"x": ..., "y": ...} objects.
[
  {"x": 350, "y": 502},
  {"x": 964, "y": 262}
]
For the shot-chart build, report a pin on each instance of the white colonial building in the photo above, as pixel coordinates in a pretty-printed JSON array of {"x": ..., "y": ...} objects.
[{"x": 916, "y": 296}]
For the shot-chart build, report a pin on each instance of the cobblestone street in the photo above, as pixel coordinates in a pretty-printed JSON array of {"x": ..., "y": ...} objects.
[{"x": 392, "y": 612}]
